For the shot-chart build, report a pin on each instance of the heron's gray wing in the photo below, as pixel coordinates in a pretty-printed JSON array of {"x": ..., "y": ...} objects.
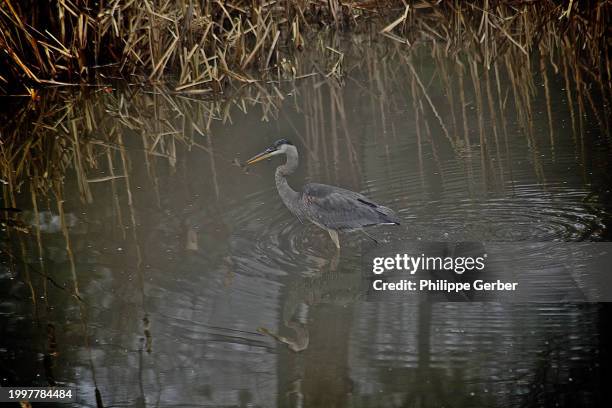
[{"x": 337, "y": 208}]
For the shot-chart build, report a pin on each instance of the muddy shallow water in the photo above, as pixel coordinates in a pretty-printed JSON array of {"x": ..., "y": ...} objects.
[{"x": 188, "y": 266}]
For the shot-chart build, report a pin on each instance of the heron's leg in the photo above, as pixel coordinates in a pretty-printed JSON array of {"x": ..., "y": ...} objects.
[
  {"x": 369, "y": 236},
  {"x": 334, "y": 236},
  {"x": 333, "y": 263}
]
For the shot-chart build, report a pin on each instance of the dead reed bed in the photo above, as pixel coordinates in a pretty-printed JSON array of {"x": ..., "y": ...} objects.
[{"x": 201, "y": 46}]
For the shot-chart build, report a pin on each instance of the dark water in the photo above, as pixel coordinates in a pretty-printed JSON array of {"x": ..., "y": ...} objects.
[{"x": 183, "y": 260}]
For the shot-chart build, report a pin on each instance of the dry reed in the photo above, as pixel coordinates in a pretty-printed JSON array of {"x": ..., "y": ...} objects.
[{"x": 200, "y": 46}]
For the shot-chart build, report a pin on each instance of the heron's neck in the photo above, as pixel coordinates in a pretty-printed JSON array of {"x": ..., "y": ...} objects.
[
  {"x": 291, "y": 164},
  {"x": 284, "y": 190}
]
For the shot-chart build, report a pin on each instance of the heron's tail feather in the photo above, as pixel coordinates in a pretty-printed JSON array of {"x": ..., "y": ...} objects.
[{"x": 387, "y": 215}]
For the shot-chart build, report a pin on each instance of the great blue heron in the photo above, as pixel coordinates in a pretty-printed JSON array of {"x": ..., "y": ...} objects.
[{"x": 331, "y": 208}]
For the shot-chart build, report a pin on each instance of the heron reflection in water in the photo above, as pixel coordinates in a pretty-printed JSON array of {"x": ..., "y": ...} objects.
[{"x": 332, "y": 208}]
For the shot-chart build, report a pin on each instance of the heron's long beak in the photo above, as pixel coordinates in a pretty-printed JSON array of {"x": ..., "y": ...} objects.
[{"x": 262, "y": 156}]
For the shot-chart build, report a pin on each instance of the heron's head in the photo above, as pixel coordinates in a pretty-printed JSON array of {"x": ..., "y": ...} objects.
[{"x": 279, "y": 147}]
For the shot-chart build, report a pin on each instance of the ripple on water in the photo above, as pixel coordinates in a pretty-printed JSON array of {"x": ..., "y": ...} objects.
[
  {"x": 441, "y": 199},
  {"x": 536, "y": 212},
  {"x": 273, "y": 241},
  {"x": 538, "y": 216}
]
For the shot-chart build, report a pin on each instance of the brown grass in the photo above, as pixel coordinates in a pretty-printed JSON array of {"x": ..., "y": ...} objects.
[{"x": 201, "y": 46}]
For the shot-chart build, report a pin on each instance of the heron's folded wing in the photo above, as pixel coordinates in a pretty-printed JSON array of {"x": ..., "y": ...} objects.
[{"x": 337, "y": 208}]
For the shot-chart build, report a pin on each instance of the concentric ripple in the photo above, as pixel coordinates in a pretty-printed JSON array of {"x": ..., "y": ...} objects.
[{"x": 273, "y": 241}]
